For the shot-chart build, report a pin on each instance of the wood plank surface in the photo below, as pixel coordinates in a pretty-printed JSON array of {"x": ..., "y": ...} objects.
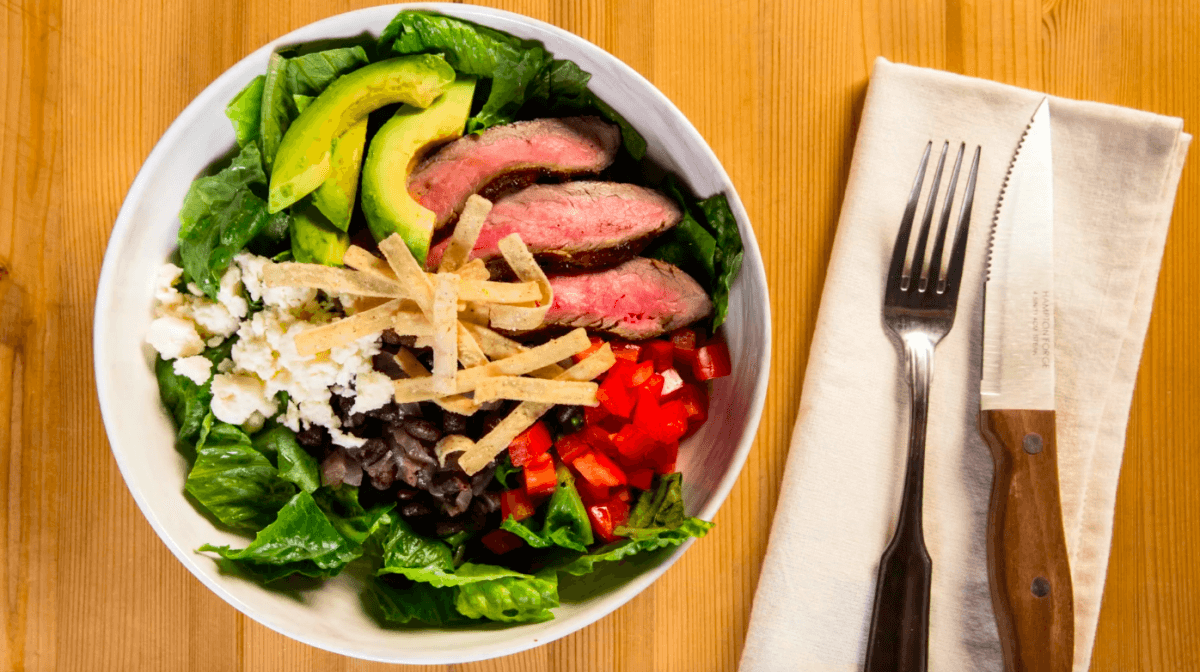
[{"x": 775, "y": 87}]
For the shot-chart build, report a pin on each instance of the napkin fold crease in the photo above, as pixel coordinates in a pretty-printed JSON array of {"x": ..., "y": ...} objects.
[{"x": 1115, "y": 175}]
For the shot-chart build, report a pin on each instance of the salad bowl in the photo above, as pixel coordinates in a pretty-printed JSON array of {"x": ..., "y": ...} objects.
[{"x": 331, "y": 617}]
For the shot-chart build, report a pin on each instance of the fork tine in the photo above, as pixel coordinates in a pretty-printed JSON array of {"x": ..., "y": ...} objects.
[
  {"x": 900, "y": 249},
  {"x": 935, "y": 260},
  {"x": 959, "y": 252},
  {"x": 918, "y": 261}
]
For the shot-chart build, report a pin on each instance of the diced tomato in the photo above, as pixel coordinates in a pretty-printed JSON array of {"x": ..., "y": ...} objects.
[
  {"x": 626, "y": 351},
  {"x": 640, "y": 373},
  {"x": 647, "y": 414},
  {"x": 672, "y": 382},
  {"x": 598, "y": 438},
  {"x": 592, "y": 415},
  {"x": 614, "y": 396},
  {"x": 571, "y": 446},
  {"x": 501, "y": 541},
  {"x": 654, "y": 384},
  {"x": 711, "y": 361},
  {"x": 695, "y": 403},
  {"x": 660, "y": 352},
  {"x": 632, "y": 443},
  {"x": 673, "y": 423},
  {"x": 664, "y": 457},
  {"x": 641, "y": 479},
  {"x": 597, "y": 343},
  {"x": 620, "y": 373},
  {"x": 516, "y": 503},
  {"x": 592, "y": 494},
  {"x": 598, "y": 469},
  {"x": 529, "y": 444},
  {"x": 606, "y": 517},
  {"x": 540, "y": 478},
  {"x": 684, "y": 342}
]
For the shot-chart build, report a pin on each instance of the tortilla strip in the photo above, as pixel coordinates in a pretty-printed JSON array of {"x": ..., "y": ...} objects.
[
  {"x": 408, "y": 273},
  {"x": 527, "y": 412},
  {"x": 469, "y": 352},
  {"x": 419, "y": 389},
  {"x": 466, "y": 232},
  {"x": 489, "y": 291},
  {"x": 416, "y": 370},
  {"x": 476, "y": 313},
  {"x": 347, "y": 330},
  {"x": 362, "y": 260},
  {"x": 329, "y": 279},
  {"x": 451, "y": 443},
  {"x": 445, "y": 332},
  {"x": 497, "y": 346},
  {"x": 540, "y": 390},
  {"x": 529, "y": 316},
  {"x": 411, "y": 323},
  {"x": 474, "y": 269}
]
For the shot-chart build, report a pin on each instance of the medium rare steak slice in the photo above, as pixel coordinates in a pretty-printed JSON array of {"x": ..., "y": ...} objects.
[
  {"x": 641, "y": 298},
  {"x": 574, "y": 224},
  {"x": 568, "y": 146}
]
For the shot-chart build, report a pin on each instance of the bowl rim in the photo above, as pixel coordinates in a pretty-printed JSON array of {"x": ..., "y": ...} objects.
[{"x": 560, "y": 627}]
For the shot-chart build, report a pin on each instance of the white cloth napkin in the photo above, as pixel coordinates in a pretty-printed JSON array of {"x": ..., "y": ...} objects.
[{"x": 1115, "y": 174}]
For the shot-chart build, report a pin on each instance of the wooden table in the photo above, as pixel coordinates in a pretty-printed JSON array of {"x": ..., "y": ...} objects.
[{"x": 775, "y": 87}]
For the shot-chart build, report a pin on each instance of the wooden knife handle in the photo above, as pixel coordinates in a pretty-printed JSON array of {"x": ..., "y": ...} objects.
[{"x": 1027, "y": 552}]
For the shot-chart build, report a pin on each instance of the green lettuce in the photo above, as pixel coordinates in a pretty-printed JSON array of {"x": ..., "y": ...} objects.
[
  {"x": 503, "y": 595},
  {"x": 565, "y": 521},
  {"x": 310, "y": 74},
  {"x": 294, "y": 463},
  {"x": 245, "y": 111},
  {"x": 414, "y": 602},
  {"x": 277, "y": 109},
  {"x": 238, "y": 485},
  {"x": 727, "y": 259},
  {"x": 300, "y": 541},
  {"x": 341, "y": 507},
  {"x": 187, "y": 401}
]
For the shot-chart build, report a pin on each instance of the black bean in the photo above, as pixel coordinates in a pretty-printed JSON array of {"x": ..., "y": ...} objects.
[
  {"x": 490, "y": 501},
  {"x": 391, "y": 337},
  {"x": 405, "y": 494},
  {"x": 408, "y": 409},
  {"x": 386, "y": 364},
  {"x": 312, "y": 436},
  {"x": 445, "y": 528},
  {"x": 568, "y": 418},
  {"x": 387, "y": 413},
  {"x": 453, "y": 423},
  {"x": 492, "y": 419},
  {"x": 415, "y": 510},
  {"x": 422, "y": 429},
  {"x": 482, "y": 478}
]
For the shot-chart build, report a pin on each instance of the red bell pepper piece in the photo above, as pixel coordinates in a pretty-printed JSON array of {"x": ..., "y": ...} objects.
[
  {"x": 660, "y": 352},
  {"x": 627, "y": 351},
  {"x": 654, "y": 384},
  {"x": 592, "y": 494},
  {"x": 529, "y": 444},
  {"x": 622, "y": 493},
  {"x": 668, "y": 423},
  {"x": 695, "y": 403},
  {"x": 592, "y": 415},
  {"x": 632, "y": 443},
  {"x": 502, "y": 541},
  {"x": 540, "y": 478},
  {"x": 516, "y": 503},
  {"x": 597, "y": 343},
  {"x": 641, "y": 479},
  {"x": 672, "y": 383},
  {"x": 711, "y": 361},
  {"x": 614, "y": 396},
  {"x": 641, "y": 373},
  {"x": 608, "y": 516},
  {"x": 621, "y": 372},
  {"x": 571, "y": 446},
  {"x": 664, "y": 457},
  {"x": 598, "y": 438},
  {"x": 647, "y": 415},
  {"x": 598, "y": 469},
  {"x": 684, "y": 342}
]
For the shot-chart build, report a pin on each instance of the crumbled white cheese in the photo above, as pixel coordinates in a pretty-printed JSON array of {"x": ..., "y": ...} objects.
[
  {"x": 225, "y": 366},
  {"x": 174, "y": 337},
  {"x": 237, "y": 397},
  {"x": 288, "y": 298},
  {"x": 214, "y": 318},
  {"x": 196, "y": 367},
  {"x": 372, "y": 390},
  {"x": 195, "y": 289},
  {"x": 229, "y": 294},
  {"x": 164, "y": 286}
]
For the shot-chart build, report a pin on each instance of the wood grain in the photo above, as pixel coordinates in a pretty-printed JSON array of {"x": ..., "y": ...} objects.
[{"x": 775, "y": 87}]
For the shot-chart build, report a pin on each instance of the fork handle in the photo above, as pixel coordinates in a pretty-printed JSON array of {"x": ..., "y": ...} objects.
[{"x": 1027, "y": 552}]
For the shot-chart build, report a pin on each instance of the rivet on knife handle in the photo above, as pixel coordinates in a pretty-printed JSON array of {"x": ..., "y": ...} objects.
[{"x": 1027, "y": 551}]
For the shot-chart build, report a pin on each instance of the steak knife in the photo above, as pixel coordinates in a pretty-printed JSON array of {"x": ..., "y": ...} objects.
[{"x": 1027, "y": 554}]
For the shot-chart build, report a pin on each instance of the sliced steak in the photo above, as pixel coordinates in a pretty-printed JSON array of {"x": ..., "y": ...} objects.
[
  {"x": 568, "y": 146},
  {"x": 575, "y": 224},
  {"x": 641, "y": 298}
]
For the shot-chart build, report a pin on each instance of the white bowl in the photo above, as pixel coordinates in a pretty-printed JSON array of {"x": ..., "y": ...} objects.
[{"x": 142, "y": 434}]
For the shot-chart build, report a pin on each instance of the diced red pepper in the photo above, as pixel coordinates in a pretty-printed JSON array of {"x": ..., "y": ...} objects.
[
  {"x": 597, "y": 343},
  {"x": 654, "y": 384},
  {"x": 660, "y": 352},
  {"x": 598, "y": 469},
  {"x": 641, "y": 373},
  {"x": 592, "y": 415},
  {"x": 627, "y": 351},
  {"x": 620, "y": 373},
  {"x": 501, "y": 541},
  {"x": 641, "y": 479},
  {"x": 606, "y": 517},
  {"x": 632, "y": 443},
  {"x": 695, "y": 403},
  {"x": 571, "y": 446},
  {"x": 592, "y": 494},
  {"x": 516, "y": 503},
  {"x": 612, "y": 424},
  {"x": 540, "y": 478},
  {"x": 529, "y": 444},
  {"x": 622, "y": 493},
  {"x": 664, "y": 457},
  {"x": 614, "y": 396},
  {"x": 684, "y": 341},
  {"x": 673, "y": 423},
  {"x": 672, "y": 382},
  {"x": 598, "y": 438},
  {"x": 712, "y": 361},
  {"x": 647, "y": 415}
]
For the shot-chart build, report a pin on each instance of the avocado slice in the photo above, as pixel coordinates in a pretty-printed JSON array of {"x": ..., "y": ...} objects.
[
  {"x": 394, "y": 153},
  {"x": 303, "y": 161},
  {"x": 314, "y": 238},
  {"x": 335, "y": 197}
]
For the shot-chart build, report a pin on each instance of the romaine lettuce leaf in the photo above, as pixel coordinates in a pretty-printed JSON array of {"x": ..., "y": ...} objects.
[
  {"x": 245, "y": 111},
  {"x": 301, "y": 540},
  {"x": 418, "y": 602},
  {"x": 294, "y": 463},
  {"x": 238, "y": 485},
  {"x": 416, "y": 557},
  {"x": 507, "y": 475},
  {"x": 500, "y": 595},
  {"x": 348, "y": 517},
  {"x": 219, "y": 432},
  {"x": 308, "y": 75},
  {"x": 728, "y": 254},
  {"x": 564, "y": 519},
  {"x": 187, "y": 401}
]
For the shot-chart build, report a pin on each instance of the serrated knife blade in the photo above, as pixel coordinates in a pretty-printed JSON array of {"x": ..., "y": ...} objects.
[{"x": 1028, "y": 566}]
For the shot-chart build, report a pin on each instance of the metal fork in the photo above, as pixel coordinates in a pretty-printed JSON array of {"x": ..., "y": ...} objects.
[{"x": 918, "y": 307}]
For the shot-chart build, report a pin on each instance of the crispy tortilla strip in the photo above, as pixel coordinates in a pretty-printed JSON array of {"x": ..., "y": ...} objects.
[
  {"x": 474, "y": 269},
  {"x": 496, "y": 346},
  {"x": 488, "y": 291},
  {"x": 476, "y": 313},
  {"x": 329, "y": 279},
  {"x": 528, "y": 316},
  {"x": 347, "y": 330},
  {"x": 362, "y": 260},
  {"x": 415, "y": 370},
  {"x": 527, "y": 412},
  {"x": 445, "y": 332},
  {"x": 419, "y": 389},
  {"x": 408, "y": 273},
  {"x": 469, "y": 352},
  {"x": 451, "y": 443},
  {"x": 466, "y": 231},
  {"x": 540, "y": 390},
  {"x": 411, "y": 323}
]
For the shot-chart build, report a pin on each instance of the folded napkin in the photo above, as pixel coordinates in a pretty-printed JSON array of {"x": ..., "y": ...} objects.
[{"x": 1115, "y": 174}]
